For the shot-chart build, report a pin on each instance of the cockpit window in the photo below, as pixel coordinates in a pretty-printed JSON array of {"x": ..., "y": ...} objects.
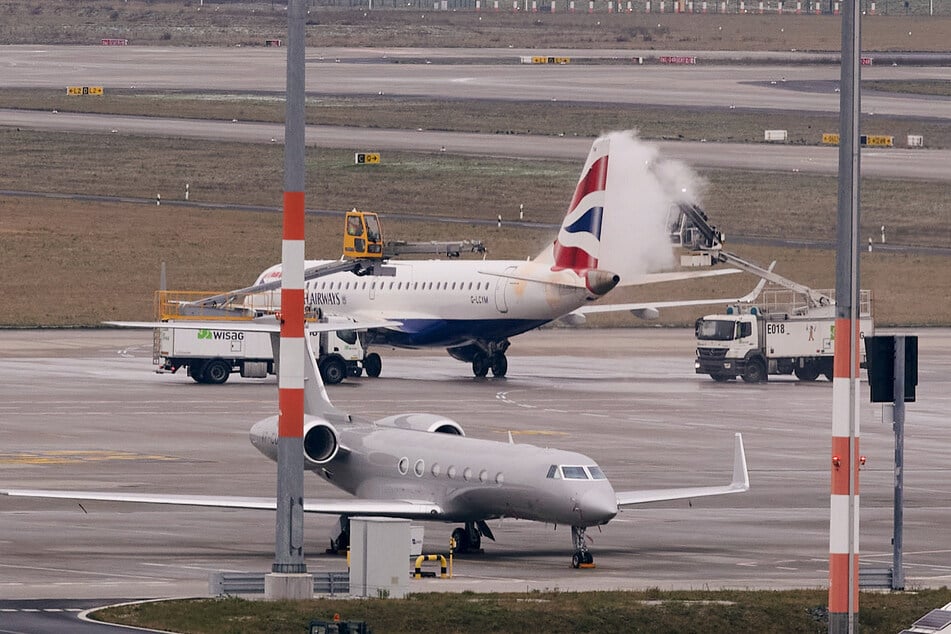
[
  {"x": 553, "y": 471},
  {"x": 574, "y": 473},
  {"x": 596, "y": 473}
]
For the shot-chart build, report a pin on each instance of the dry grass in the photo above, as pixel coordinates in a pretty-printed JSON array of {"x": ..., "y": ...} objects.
[
  {"x": 69, "y": 262},
  {"x": 77, "y": 263}
]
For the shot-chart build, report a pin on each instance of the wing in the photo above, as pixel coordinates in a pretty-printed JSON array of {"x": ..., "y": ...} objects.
[
  {"x": 649, "y": 310},
  {"x": 411, "y": 509},
  {"x": 265, "y": 325},
  {"x": 740, "y": 483},
  {"x": 674, "y": 276}
]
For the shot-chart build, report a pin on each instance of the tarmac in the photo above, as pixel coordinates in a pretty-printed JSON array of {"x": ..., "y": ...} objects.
[{"x": 84, "y": 410}]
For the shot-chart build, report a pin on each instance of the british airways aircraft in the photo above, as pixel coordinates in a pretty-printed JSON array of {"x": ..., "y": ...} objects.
[{"x": 472, "y": 308}]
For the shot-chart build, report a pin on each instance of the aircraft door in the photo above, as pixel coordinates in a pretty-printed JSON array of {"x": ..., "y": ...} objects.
[{"x": 500, "y": 288}]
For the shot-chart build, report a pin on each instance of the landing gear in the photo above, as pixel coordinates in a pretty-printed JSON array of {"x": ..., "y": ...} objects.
[
  {"x": 468, "y": 539},
  {"x": 484, "y": 356},
  {"x": 341, "y": 543},
  {"x": 500, "y": 364},
  {"x": 582, "y": 557},
  {"x": 480, "y": 365}
]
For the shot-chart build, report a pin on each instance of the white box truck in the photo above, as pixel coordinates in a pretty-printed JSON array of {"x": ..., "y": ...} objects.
[{"x": 210, "y": 355}]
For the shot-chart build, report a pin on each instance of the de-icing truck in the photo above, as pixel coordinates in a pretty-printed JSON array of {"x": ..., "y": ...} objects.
[
  {"x": 790, "y": 329},
  {"x": 777, "y": 336}
]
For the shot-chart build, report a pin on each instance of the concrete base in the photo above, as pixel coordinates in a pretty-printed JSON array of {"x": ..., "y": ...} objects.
[{"x": 288, "y": 587}]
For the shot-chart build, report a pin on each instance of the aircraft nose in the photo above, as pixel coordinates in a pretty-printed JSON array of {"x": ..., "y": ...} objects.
[
  {"x": 263, "y": 436},
  {"x": 600, "y": 505}
]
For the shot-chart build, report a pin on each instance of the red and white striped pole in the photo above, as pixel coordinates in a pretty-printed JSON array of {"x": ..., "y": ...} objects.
[
  {"x": 289, "y": 578},
  {"x": 844, "y": 501}
]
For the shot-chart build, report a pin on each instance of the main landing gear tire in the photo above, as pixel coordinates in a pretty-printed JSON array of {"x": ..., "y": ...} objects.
[
  {"x": 480, "y": 365},
  {"x": 373, "y": 365},
  {"x": 581, "y": 557},
  {"x": 333, "y": 370},
  {"x": 466, "y": 541},
  {"x": 216, "y": 372},
  {"x": 500, "y": 364}
]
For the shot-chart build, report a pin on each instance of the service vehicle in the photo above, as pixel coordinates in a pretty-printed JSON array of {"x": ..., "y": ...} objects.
[
  {"x": 779, "y": 335},
  {"x": 788, "y": 329},
  {"x": 211, "y": 355}
]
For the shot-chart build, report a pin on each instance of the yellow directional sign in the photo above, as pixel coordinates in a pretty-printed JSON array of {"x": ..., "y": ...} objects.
[
  {"x": 871, "y": 140},
  {"x": 366, "y": 158},
  {"x": 878, "y": 140},
  {"x": 84, "y": 90}
]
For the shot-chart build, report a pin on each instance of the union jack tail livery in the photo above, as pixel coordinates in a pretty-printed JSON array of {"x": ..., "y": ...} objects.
[{"x": 579, "y": 240}]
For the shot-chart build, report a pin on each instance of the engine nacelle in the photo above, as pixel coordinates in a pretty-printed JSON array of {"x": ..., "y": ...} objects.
[
  {"x": 320, "y": 443},
  {"x": 423, "y": 422}
]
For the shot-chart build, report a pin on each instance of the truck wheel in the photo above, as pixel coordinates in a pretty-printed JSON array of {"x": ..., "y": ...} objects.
[
  {"x": 333, "y": 370},
  {"x": 808, "y": 372},
  {"x": 755, "y": 371},
  {"x": 216, "y": 372},
  {"x": 373, "y": 365},
  {"x": 197, "y": 372}
]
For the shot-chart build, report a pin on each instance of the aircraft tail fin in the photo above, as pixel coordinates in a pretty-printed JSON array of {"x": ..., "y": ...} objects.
[
  {"x": 578, "y": 245},
  {"x": 316, "y": 401}
]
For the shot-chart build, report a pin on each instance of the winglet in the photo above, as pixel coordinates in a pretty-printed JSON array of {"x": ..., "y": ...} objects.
[
  {"x": 739, "y": 484},
  {"x": 750, "y": 297},
  {"x": 741, "y": 475}
]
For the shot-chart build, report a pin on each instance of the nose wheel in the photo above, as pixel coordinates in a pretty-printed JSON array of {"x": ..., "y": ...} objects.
[{"x": 582, "y": 558}]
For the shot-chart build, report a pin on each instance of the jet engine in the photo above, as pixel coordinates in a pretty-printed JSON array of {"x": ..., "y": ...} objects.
[
  {"x": 423, "y": 422},
  {"x": 320, "y": 443}
]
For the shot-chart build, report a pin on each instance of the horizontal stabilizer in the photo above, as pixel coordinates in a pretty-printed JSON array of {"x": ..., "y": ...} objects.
[
  {"x": 649, "y": 310},
  {"x": 384, "y": 508},
  {"x": 740, "y": 483},
  {"x": 674, "y": 276}
]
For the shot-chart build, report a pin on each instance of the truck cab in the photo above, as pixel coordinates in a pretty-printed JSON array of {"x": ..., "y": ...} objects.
[{"x": 729, "y": 345}]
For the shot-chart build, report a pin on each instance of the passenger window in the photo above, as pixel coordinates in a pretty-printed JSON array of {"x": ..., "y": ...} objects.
[
  {"x": 746, "y": 329},
  {"x": 467, "y": 474},
  {"x": 499, "y": 478},
  {"x": 483, "y": 476},
  {"x": 403, "y": 466},
  {"x": 451, "y": 472},
  {"x": 419, "y": 468},
  {"x": 436, "y": 470}
]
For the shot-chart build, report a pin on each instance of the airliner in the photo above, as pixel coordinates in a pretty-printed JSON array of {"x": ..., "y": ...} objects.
[
  {"x": 422, "y": 466},
  {"x": 473, "y": 307}
]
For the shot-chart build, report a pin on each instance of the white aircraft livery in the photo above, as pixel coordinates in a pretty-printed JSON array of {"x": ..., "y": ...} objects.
[
  {"x": 473, "y": 307},
  {"x": 423, "y": 467}
]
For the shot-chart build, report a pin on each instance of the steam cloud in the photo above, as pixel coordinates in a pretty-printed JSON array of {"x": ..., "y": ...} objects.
[{"x": 642, "y": 187}]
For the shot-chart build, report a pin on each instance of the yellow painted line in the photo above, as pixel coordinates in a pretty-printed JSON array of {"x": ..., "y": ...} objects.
[{"x": 76, "y": 457}]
